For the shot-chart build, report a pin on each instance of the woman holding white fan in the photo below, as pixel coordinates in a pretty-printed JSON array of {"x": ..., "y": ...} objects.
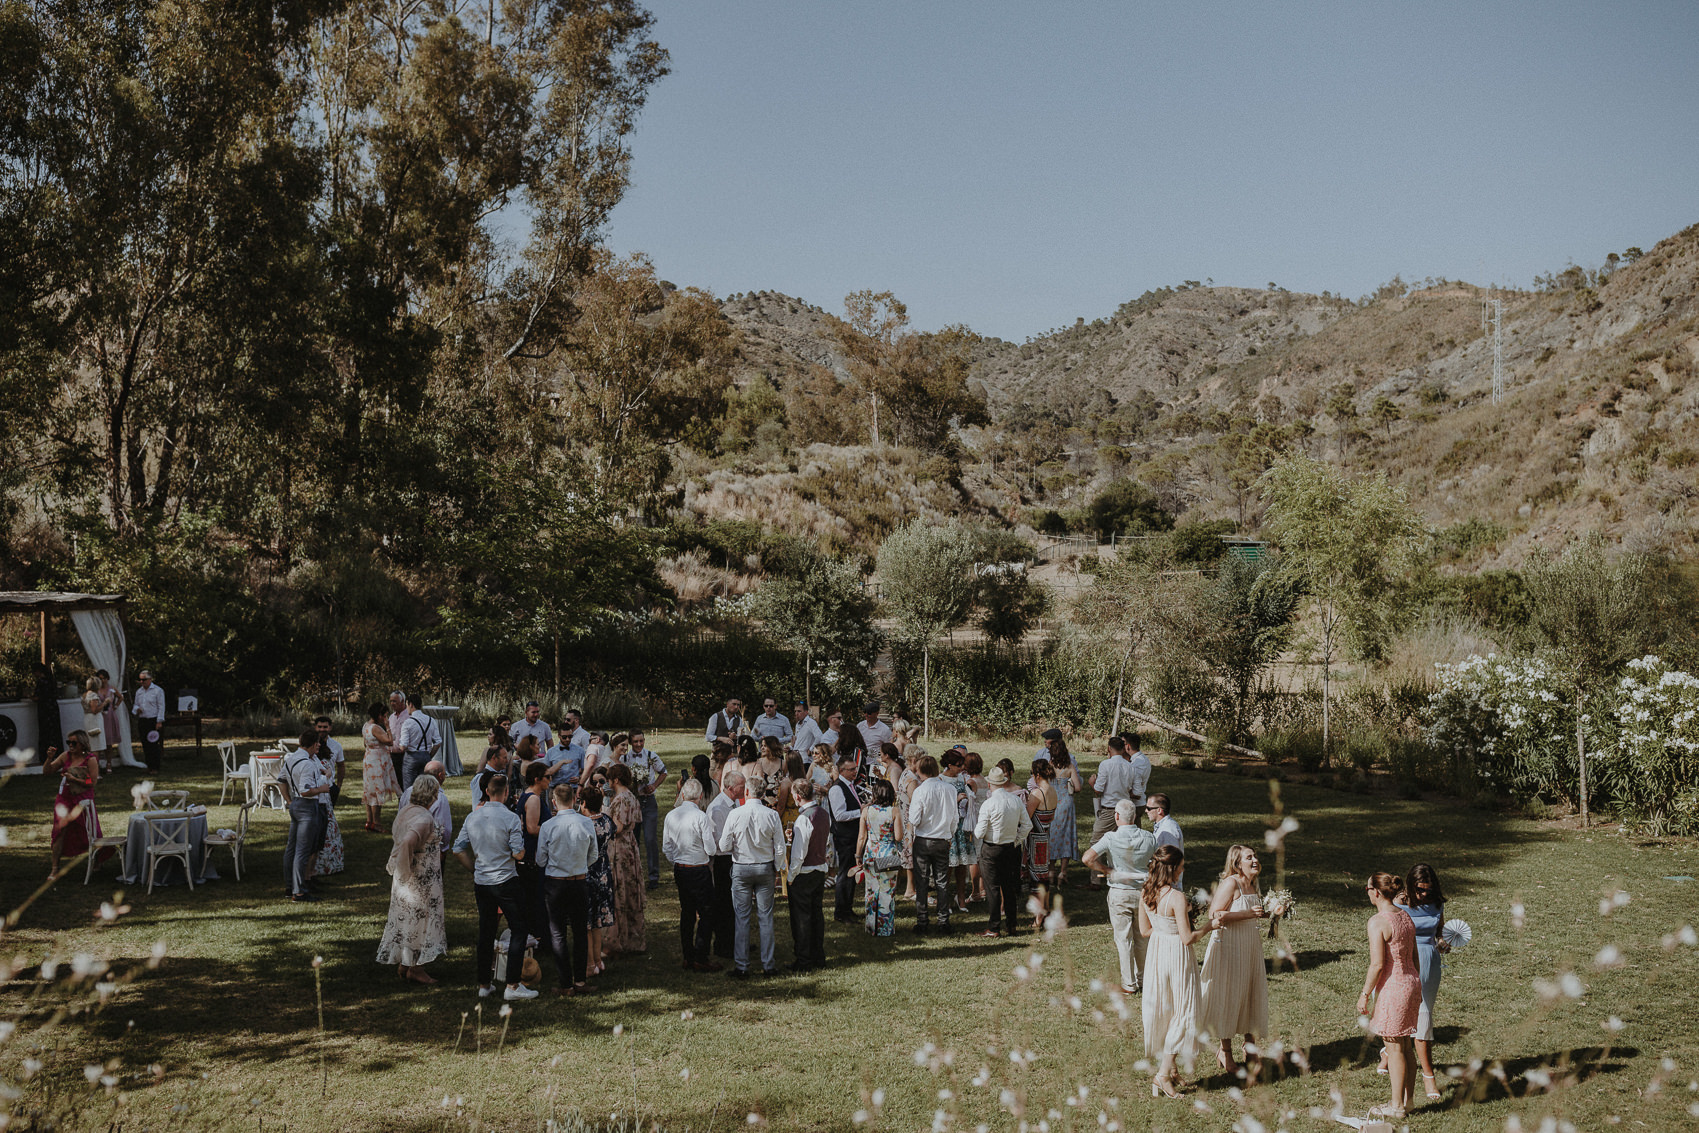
[{"x": 1424, "y": 901}]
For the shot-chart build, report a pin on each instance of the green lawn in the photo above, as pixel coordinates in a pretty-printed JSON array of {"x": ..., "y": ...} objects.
[{"x": 223, "y": 1033}]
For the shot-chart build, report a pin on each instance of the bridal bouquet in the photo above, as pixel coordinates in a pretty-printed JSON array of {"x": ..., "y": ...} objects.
[{"x": 1279, "y": 905}]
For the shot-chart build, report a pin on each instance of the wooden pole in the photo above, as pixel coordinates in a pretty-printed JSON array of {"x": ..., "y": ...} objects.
[{"x": 44, "y": 637}]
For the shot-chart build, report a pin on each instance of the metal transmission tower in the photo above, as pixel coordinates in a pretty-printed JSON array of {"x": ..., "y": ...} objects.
[{"x": 1492, "y": 315}]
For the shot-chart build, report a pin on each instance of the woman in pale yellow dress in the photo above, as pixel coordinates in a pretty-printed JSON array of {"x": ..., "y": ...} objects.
[
  {"x": 1170, "y": 1000},
  {"x": 1234, "y": 987}
]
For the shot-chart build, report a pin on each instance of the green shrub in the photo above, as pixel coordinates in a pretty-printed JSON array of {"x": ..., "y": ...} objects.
[
  {"x": 1185, "y": 763},
  {"x": 1365, "y": 749}
]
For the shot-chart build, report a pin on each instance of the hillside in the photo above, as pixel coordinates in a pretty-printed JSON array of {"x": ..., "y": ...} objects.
[{"x": 1598, "y": 426}]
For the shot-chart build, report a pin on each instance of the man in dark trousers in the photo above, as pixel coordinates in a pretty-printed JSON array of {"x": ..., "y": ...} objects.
[
  {"x": 843, "y": 806},
  {"x": 810, "y": 849},
  {"x": 722, "y": 919}
]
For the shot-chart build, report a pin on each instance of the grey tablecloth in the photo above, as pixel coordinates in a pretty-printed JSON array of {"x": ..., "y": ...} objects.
[
  {"x": 171, "y": 870},
  {"x": 444, "y": 715}
]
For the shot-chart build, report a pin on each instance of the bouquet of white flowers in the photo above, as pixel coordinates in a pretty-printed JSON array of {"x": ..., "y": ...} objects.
[{"x": 1278, "y": 905}]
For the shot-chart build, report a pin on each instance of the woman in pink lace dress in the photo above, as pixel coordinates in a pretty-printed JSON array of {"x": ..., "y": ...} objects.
[{"x": 1395, "y": 981}]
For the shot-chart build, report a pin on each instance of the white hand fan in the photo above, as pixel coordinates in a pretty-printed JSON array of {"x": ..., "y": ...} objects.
[{"x": 1456, "y": 932}]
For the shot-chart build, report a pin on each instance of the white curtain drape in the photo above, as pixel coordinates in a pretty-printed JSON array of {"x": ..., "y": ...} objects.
[{"x": 102, "y": 635}]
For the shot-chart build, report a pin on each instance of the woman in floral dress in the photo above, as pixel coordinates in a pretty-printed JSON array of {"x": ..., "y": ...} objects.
[
  {"x": 378, "y": 784},
  {"x": 629, "y": 932},
  {"x": 330, "y": 859},
  {"x": 881, "y": 837},
  {"x": 907, "y": 781},
  {"x": 417, "y": 931},
  {"x": 600, "y": 880},
  {"x": 1041, "y": 806}
]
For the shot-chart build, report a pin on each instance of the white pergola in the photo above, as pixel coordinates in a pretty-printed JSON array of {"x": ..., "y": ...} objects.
[{"x": 100, "y": 631}]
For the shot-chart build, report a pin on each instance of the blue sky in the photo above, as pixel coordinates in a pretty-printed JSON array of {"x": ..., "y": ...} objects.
[{"x": 1014, "y": 165}]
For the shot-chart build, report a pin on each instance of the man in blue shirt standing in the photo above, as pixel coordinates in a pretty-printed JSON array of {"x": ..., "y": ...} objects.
[
  {"x": 566, "y": 847},
  {"x": 491, "y": 840}
]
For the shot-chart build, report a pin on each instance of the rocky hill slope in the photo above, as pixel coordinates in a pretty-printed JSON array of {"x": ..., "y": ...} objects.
[{"x": 1597, "y": 428}]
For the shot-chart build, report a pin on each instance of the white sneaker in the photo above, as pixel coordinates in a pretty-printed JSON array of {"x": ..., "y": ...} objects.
[
  {"x": 518, "y": 991},
  {"x": 484, "y": 992}
]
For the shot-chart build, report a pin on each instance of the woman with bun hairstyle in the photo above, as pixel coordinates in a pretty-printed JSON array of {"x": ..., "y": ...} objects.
[
  {"x": 1394, "y": 979},
  {"x": 1424, "y": 901},
  {"x": 1171, "y": 992}
]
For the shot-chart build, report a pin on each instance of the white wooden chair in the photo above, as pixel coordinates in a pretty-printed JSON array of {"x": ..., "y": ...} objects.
[
  {"x": 99, "y": 842},
  {"x": 233, "y": 774},
  {"x": 264, "y": 767},
  {"x": 168, "y": 837},
  {"x": 288, "y": 745},
  {"x": 168, "y": 800},
  {"x": 235, "y": 842}
]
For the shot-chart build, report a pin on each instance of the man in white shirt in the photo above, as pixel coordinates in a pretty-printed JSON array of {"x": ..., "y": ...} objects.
[
  {"x": 147, "y": 705},
  {"x": 755, "y": 838},
  {"x": 1167, "y": 831},
  {"x": 834, "y": 721},
  {"x": 810, "y": 853},
  {"x": 688, "y": 841},
  {"x": 843, "y": 805},
  {"x": 338, "y": 761},
  {"x": 804, "y": 729},
  {"x": 720, "y": 809},
  {"x": 874, "y": 730},
  {"x": 304, "y": 781},
  {"x": 1141, "y": 773},
  {"x": 1128, "y": 849},
  {"x": 566, "y": 848},
  {"x": 397, "y": 724},
  {"x": 647, "y": 774},
  {"x": 533, "y": 725},
  {"x": 491, "y": 841},
  {"x": 420, "y": 739},
  {"x": 932, "y": 813},
  {"x": 1001, "y": 830},
  {"x": 1112, "y": 782},
  {"x": 727, "y": 723},
  {"x": 770, "y": 723}
]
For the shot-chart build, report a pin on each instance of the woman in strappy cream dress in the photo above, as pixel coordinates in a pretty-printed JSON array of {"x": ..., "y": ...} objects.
[
  {"x": 1171, "y": 971},
  {"x": 1234, "y": 987}
]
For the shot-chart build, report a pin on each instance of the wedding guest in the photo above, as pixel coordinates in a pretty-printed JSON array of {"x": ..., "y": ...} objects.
[
  {"x": 1001, "y": 831},
  {"x": 595, "y": 757},
  {"x": 378, "y": 783},
  {"x": 852, "y": 743},
  {"x": 647, "y": 773},
  {"x": 398, "y": 713},
  {"x": 147, "y": 705},
  {"x": 330, "y": 750},
  {"x": 416, "y": 931},
  {"x": 111, "y": 704},
  {"x": 1065, "y": 823},
  {"x": 420, "y": 737},
  {"x": 688, "y": 842},
  {"x": 723, "y": 917},
  {"x": 490, "y": 844},
  {"x": 755, "y": 838},
  {"x": 78, "y": 769},
  {"x": 963, "y": 854},
  {"x": 572, "y": 724},
  {"x": 1112, "y": 782},
  {"x": 720, "y": 756},
  {"x": 1140, "y": 781},
  {"x": 973, "y": 770},
  {"x": 770, "y": 723},
  {"x": 533, "y": 725},
  {"x": 536, "y": 807},
  {"x": 874, "y": 731},
  {"x": 566, "y": 850},
  {"x": 94, "y": 721},
  {"x": 834, "y": 725},
  {"x": 1394, "y": 979},
  {"x": 1123, "y": 857},
  {"x": 843, "y": 805},
  {"x": 820, "y": 762},
  {"x": 599, "y": 881},
  {"x": 331, "y": 857},
  {"x": 1162, "y": 824},
  {"x": 878, "y": 853},
  {"x": 501, "y": 732},
  {"x": 933, "y": 813},
  {"x": 440, "y": 811},
  {"x": 762, "y": 777},
  {"x": 495, "y": 762},
  {"x": 630, "y": 932},
  {"x": 795, "y": 771},
  {"x": 1234, "y": 989},
  {"x": 701, "y": 770},
  {"x": 1170, "y": 1000},
  {"x": 805, "y": 731},
  {"x": 811, "y": 836},
  {"x": 304, "y": 782},
  {"x": 565, "y": 762},
  {"x": 1424, "y": 903},
  {"x": 1041, "y": 808},
  {"x": 727, "y": 723}
]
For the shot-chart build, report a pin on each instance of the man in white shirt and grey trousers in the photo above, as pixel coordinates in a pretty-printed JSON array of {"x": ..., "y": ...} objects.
[
  {"x": 932, "y": 813},
  {"x": 755, "y": 838}
]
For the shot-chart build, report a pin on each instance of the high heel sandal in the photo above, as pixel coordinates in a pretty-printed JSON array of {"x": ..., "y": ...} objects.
[
  {"x": 1433, "y": 1090},
  {"x": 1160, "y": 1087}
]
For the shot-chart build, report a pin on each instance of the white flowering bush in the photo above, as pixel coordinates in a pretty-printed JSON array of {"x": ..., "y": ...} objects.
[
  {"x": 1511, "y": 718},
  {"x": 1657, "y": 746}
]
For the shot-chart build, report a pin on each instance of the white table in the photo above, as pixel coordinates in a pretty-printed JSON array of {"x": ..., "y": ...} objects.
[{"x": 444, "y": 715}]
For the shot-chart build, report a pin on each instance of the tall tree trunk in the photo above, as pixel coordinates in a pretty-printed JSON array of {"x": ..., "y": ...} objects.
[
  {"x": 808, "y": 679},
  {"x": 1581, "y": 757},
  {"x": 1326, "y": 715},
  {"x": 926, "y": 690},
  {"x": 1121, "y": 688}
]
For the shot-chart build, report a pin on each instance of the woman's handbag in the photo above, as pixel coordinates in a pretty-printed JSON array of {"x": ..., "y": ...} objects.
[{"x": 884, "y": 863}]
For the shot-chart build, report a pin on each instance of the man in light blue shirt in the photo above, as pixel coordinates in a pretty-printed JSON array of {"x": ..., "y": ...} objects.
[
  {"x": 1128, "y": 849},
  {"x": 565, "y": 762},
  {"x": 566, "y": 846},
  {"x": 771, "y": 723},
  {"x": 491, "y": 840}
]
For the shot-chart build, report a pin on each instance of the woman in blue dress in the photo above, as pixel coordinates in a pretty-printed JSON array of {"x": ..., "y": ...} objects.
[
  {"x": 1064, "y": 826},
  {"x": 1424, "y": 901}
]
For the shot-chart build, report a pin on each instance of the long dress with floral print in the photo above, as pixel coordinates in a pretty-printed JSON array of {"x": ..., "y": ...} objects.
[
  {"x": 881, "y": 886},
  {"x": 629, "y": 933},
  {"x": 417, "y": 930}
]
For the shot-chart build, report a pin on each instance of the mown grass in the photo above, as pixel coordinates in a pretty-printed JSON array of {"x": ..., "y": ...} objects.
[{"x": 223, "y": 1034}]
